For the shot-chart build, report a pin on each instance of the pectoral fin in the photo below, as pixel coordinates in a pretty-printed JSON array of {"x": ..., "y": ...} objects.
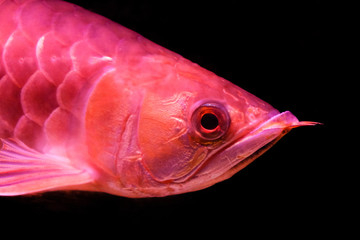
[{"x": 24, "y": 170}]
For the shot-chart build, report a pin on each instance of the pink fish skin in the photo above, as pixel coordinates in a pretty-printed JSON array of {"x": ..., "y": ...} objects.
[{"x": 86, "y": 104}]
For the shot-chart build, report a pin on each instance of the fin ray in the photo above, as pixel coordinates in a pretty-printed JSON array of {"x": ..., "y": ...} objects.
[{"x": 24, "y": 170}]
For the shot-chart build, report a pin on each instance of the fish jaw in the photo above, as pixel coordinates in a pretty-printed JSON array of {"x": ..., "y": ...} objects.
[{"x": 241, "y": 152}]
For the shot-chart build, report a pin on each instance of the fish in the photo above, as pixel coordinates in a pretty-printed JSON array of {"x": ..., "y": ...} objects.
[{"x": 87, "y": 104}]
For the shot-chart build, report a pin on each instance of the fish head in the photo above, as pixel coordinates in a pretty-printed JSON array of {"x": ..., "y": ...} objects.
[{"x": 197, "y": 129}]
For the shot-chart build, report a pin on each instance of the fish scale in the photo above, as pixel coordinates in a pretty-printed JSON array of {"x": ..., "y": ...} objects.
[{"x": 44, "y": 67}]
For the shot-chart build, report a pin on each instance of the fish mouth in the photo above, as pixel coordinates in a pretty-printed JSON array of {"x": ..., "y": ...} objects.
[{"x": 245, "y": 149}]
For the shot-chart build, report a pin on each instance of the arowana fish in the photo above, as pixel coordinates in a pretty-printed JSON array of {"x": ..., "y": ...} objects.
[{"x": 87, "y": 104}]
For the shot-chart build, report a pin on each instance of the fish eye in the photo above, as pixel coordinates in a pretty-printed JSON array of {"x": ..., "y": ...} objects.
[{"x": 210, "y": 121}]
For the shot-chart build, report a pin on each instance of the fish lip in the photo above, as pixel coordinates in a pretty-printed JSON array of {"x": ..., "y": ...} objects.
[{"x": 267, "y": 133}]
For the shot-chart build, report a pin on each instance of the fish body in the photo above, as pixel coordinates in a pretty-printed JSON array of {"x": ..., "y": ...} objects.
[{"x": 87, "y": 104}]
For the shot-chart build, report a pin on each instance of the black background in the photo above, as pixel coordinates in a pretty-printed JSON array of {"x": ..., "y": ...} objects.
[{"x": 280, "y": 52}]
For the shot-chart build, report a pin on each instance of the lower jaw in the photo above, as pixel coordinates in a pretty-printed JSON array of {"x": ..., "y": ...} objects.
[{"x": 245, "y": 162}]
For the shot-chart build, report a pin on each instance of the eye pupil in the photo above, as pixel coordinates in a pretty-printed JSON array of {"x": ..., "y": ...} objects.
[{"x": 209, "y": 121}]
